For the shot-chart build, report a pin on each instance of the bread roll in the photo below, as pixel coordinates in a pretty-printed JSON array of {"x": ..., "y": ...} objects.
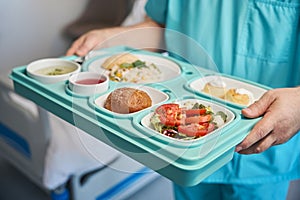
[
  {"x": 118, "y": 59},
  {"x": 127, "y": 100}
]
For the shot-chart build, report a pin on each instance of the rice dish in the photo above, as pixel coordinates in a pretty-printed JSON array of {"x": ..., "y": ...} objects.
[{"x": 124, "y": 68}]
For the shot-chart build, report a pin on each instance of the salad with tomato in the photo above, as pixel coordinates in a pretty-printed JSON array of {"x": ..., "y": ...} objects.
[{"x": 186, "y": 122}]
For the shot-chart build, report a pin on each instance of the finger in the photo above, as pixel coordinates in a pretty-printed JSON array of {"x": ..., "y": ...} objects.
[
  {"x": 88, "y": 45},
  {"x": 70, "y": 51},
  {"x": 259, "y": 107},
  {"x": 75, "y": 46},
  {"x": 260, "y": 146},
  {"x": 264, "y": 127}
]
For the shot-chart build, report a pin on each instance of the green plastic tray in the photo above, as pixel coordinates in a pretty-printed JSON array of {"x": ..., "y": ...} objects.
[{"x": 184, "y": 163}]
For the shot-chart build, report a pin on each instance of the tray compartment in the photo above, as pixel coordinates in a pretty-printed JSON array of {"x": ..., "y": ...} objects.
[
  {"x": 156, "y": 96},
  {"x": 197, "y": 85},
  {"x": 232, "y": 119},
  {"x": 169, "y": 69}
]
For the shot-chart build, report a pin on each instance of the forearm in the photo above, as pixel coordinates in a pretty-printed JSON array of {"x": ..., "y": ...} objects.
[{"x": 145, "y": 35}]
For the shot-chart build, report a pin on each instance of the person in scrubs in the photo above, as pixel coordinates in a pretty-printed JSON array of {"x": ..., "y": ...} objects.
[{"x": 258, "y": 40}]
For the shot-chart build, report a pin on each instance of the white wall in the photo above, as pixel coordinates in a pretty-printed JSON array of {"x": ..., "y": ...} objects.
[{"x": 32, "y": 29}]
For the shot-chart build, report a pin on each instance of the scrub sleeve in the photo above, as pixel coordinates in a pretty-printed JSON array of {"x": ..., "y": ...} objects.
[{"x": 258, "y": 40}]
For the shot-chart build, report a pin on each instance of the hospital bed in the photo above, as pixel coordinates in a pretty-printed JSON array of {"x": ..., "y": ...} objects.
[{"x": 61, "y": 159}]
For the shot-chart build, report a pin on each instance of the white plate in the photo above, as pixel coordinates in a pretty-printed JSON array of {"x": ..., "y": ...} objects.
[
  {"x": 199, "y": 84},
  {"x": 168, "y": 68},
  {"x": 155, "y": 95},
  {"x": 184, "y": 103}
]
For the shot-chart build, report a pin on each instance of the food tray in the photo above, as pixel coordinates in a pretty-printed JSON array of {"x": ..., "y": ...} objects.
[{"x": 185, "y": 163}]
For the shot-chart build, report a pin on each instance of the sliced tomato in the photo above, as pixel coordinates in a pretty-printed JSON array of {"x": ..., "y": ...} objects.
[
  {"x": 196, "y": 130},
  {"x": 211, "y": 127},
  {"x": 171, "y": 120},
  {"x": 170, "y": 114},
  {"x": 167, "y": 108},
  {"x": 198, "y": 119},
  {"x": 192, "y": 112},
  {"x": 192, "y": 130}
]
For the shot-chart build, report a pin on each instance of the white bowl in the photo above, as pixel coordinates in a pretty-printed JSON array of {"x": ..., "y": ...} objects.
[
  {"x": 52, "y": 70},
  {"x": 87, "y": 83}
]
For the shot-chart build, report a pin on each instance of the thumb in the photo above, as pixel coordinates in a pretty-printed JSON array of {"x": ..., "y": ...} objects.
[{"x": 259, "y": 107}]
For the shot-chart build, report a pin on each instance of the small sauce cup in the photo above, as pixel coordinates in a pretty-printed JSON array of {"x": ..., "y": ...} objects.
[{"x": 88, "y": 83}]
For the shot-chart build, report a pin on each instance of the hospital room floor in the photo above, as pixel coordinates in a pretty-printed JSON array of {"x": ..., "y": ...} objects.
[{"x": 14, "y": 186}]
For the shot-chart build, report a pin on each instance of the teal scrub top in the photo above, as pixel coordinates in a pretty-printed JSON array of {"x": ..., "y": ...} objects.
[{"x": 258, "y": 40}]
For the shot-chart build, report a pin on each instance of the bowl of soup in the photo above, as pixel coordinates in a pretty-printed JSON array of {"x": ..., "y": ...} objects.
[
  {"x": 88, "y": 83},
  {"x": 52, "y": 70}
]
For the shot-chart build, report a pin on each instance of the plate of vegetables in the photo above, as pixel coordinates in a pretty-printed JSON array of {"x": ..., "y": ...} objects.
[{"x": 190, "y": 119}]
